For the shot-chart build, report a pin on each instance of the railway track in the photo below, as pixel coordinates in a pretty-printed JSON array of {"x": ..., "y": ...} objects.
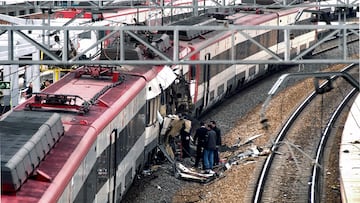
[
  {"x": 334, "y": 43},
  {"x": 293, "y": 171}
]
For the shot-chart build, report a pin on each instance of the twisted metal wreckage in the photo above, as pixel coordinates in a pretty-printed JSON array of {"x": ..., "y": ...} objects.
[{"x": 170, "y": 133}]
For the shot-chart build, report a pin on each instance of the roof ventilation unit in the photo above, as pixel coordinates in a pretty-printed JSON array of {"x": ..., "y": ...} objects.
[{"x": 26, "y": 138}]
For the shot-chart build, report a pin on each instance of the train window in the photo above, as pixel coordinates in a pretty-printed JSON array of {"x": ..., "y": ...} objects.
[
  {"x": 89, "y": 188},
  {"x": 151, "y": 111},
  {"x": 128, "y": 178},
  {"x": 272, "y": 37},
  {"x": 152, "y": 106},
  {"x": 148, "y": 108},
  {"x": 102, "y": 170},
  {"x": 85, "y": 35},
  {"x": 252, "y": 47},
  {"x": 121, "y": 148},
  {"x": 262, "y": 68},
  {"x": 241, "y": 50},
  {"x": 252, "y": 71},
  {"x": 118, "y": 193},
  {"x": 129, "y": 135},
  {"x": 207, "y": 57},
  {"x": 207, "y": 68},
  {"x": 212, "y": 95},
  {"x": 201, "y": 73},
  {"x": 155, "y": 108},
  {"x": 162, "y": 99},
  {"x": 131, "y": 128},
  {"x": 220, "y": 89},
  {"x": 158, "y": 104},
  {"x": 101, "y": 34},
  {"x": 193, "y": 72}
]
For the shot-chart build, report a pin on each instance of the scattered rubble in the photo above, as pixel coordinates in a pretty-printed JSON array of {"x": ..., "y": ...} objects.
[
  {"x": 171, "y": 128},
  {"x": 185, "y": 173}
]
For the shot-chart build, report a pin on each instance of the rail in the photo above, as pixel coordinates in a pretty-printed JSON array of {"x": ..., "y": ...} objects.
[
  {"x": 314, "y": 186},
  {"x": 259, "y": 188}
]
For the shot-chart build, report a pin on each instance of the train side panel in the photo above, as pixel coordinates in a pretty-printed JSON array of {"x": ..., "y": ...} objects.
[
  {"x": 109, "y": 167},
  {"x": 225, "y": 79},
  {"x": 121, "y": 148},
  {"x": 127, "y": 145}
]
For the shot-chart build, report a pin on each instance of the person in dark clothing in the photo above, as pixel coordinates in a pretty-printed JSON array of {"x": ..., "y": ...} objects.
[
  {"x": 199, "y": 139},
  {"x": 209, "y": 149},
  {"x": 185, "y": 141},
  {"x": 45, "y": 84},
  {"x": 29, "y": 91},
  {"x": 218, "y": 142}
]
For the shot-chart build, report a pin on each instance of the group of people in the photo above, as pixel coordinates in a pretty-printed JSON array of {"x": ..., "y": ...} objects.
[
  {"x": 28, "y": 91},
  {"x": 208, "y": 140}
]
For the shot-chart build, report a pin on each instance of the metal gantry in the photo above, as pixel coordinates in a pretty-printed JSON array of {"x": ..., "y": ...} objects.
[
  {"x": 23, "y": 41},
  {"x": 15, "y": 49},
  {"x": 13, "y": 53}
]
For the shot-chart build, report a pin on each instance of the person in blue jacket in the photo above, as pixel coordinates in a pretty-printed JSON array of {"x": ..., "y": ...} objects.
[
  {"x": 209, "y": 149},
  {"x": 218, "y": 142}
]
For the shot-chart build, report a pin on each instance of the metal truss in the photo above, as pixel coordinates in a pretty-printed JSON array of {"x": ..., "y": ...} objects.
[
  {"x": 23, "y": 44},
  {"x": 14, "y": 52},
  {"x": 107, "y": 5},
  {"x": 26, "y": 44}
]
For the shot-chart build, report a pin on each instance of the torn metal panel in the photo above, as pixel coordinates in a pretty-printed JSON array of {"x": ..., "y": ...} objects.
[{"x": 187, "y": 174}]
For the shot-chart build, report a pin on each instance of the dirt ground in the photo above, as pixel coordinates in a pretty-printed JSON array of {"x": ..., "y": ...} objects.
[{"x": 233, "y": 185}]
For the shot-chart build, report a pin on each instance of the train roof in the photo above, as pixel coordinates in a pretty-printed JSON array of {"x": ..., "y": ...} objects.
[
  {"x": 239, "y": 17},
  {"x": 116, "y": 12},
  {"x": 26, "y": 134}
]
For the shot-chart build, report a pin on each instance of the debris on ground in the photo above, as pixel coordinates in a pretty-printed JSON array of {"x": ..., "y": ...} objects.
[
  {"x": 182, "y": 167},
  {"x": 185, "y": 173}
]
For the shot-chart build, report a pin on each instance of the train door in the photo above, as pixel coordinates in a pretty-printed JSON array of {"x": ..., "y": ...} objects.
[
  {"x": 112, "y": 166},
  {"x": 206, "y": 77},
  {"x": 106, "y": 171}
]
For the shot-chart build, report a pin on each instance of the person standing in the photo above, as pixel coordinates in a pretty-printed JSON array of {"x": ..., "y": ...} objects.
[
  {"x": 29, "y": 91},
  {"x": 209, "y": 149},
  {"x": 45, "y": 84},
  {"x": 199, "y": 140},
  {"x": 22, "y": 97},
  {"x": 218, "y": 142},
  {"x": 185, "y": 141}
]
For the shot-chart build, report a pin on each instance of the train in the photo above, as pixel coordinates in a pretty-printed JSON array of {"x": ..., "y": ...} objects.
[
  {"x": 79, "y": 143},
  {"x": 113, "y": 16},
  {"x": 85, "y": 137},
  {"x": 79, "y": 14}
]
